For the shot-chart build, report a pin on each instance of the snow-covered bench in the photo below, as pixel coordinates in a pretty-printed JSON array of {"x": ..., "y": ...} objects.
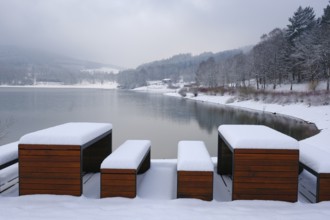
[
  {"x": 52, "y": 161},
  {"x": 264, "y": 163},
  {"x": 194, "y": 171},
  {"x": 317, "y": 161},
  {"x": 119, "y": 170},
  {"x": 8, "y": 165}
]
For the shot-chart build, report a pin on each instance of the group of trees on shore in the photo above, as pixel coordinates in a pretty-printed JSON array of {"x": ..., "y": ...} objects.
[{"x": 298, "y": 53}]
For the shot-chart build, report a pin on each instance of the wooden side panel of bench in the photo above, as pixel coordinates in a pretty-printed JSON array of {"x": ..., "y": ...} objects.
[
  {"x": 195, "y": 184},
  {"x": 118, "y": 183},
  {"x": 323, "y": 187},
  {"x": 49, "y": 169},
  {"x": 265, "y": 174},
  {"x": 94, "y": 154}
]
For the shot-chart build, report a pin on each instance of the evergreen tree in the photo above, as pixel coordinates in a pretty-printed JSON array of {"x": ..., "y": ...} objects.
[
  {"x": 325, "y": 20},
  {"x": 303, "y": 19},
  {"x": 325, "y": 42},
  {"x": 308, "y": 55}
]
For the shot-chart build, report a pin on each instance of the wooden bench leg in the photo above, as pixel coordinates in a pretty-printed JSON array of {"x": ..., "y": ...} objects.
[
  {"x": 322, "y": 184},
  {"x": 96, "y": 153},
  {"x": 145, "y": 164},
  {"x": 225, "y": 158}
]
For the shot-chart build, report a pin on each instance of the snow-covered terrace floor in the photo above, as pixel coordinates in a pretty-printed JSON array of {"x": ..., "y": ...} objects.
[{"x": 159, "y": 183}]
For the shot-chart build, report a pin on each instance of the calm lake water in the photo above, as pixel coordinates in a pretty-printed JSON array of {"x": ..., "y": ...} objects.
[{"x": 163, "y": 120}]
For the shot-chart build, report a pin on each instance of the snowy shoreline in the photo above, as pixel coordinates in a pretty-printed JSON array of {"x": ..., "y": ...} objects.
[
  {"x": 109, "y": 85},
  {"x": 319, "y": 115}
]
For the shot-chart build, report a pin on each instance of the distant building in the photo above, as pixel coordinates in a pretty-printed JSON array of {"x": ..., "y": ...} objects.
[{"x": 167, "y": 81}]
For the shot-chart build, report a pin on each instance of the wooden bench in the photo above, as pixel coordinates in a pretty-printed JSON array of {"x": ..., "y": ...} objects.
[
  {"x": 120, "y": 169},
  {"x": 264, "y": 163},
  {"x": 53, "y": 160},
  {"x": 8, "y": 165},
  {"x": 194, "y": 171},
  {"x": 316, "y": 161}
]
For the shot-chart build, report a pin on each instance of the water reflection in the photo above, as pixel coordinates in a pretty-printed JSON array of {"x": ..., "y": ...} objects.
[{"x": 211, "y": 117}]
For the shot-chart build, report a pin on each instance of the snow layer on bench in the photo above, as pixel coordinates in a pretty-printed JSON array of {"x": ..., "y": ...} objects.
[
  {"x": 193, "y": 156},
  {"x": 8, "y": 152},
  {"x": 74, "y": 133},
  {"x": 256, "y": 137},
  {"x": 315, "y": 158},
  {"x": 128, "y": 155}
]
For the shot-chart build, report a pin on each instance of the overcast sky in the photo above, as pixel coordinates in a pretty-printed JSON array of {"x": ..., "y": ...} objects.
[{"x": 131, "y": 32}]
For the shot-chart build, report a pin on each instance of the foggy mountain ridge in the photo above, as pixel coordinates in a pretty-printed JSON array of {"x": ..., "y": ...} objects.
[
  {"x": 20, "y": 66},
  {"x": 9, "y": 53},
  {"x": 188, "y": 57}
]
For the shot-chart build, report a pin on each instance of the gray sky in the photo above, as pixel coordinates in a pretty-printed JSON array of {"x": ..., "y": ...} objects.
[{"x": 131, "y": 32}]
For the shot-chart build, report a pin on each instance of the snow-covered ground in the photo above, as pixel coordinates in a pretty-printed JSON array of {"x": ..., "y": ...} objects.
[
  {"x": 157, "y": 187},
  {"x": 156, "y": 200},
  {"x": 302, "y": 87},
  {"x": 156, "y": 87},
  {"x": 102, "y": 70}
]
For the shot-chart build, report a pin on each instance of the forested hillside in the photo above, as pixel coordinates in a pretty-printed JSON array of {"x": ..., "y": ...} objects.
[
  {"x": 183, "y": 66},
  {"x": 295, "y": 54}
]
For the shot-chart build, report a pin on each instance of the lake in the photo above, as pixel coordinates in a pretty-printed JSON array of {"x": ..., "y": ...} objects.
[{"x": 162, "y": 119}]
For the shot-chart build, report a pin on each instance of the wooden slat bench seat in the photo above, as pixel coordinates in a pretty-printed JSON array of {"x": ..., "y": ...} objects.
[
  {"x": 120, "y": 169},
  {"x": 53, "y": 160},
  {"x": 194, "y": 171},
  {"x": 316, "y": 161},
  {"x": 264, "y": 163},
  {"x": 8, "y": 164}
]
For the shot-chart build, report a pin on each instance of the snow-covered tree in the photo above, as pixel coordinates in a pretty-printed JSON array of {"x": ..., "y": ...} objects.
[
  {"x": 301, "y": 23},
  {"x": 308, "y": 56},
  {"x": 303, "y": 19},
  {"x": 268, "y": 58},
  {"x": 240, "y": 68},
  {"x": 325, "y": 43},
  {"x": 259, "y": 65},
  {"x": 207, "y": 72}
]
